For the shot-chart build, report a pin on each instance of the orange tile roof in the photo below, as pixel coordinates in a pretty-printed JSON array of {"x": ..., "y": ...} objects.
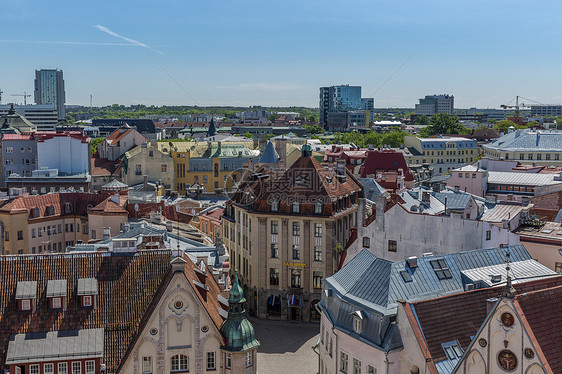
[
  {"x": 108, "y": 206},
  {"x": 102, "y": 166},
  {"x": 117, "y": 135},
  {"x": 80, "y": 201}
]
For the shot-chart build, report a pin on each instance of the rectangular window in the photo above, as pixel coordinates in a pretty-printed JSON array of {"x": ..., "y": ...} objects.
[
  {"x": 275, "y": 206},
  {"x": 49, "y": 369},
  {"x": 296, "y": 252},
  {"x": 530, "y": 156},
  {"x": 56, "y": 302},
  {"x": 356, "y": 366},
  {"x": 274, "y": 250},
  {"x": 371, "y": 370},
  {"x": 76, "y": 367},
  {"x": 228, "y": 360},
  {"x": 147, "y": 365},
  {"x": 62, "y": 368},
  {"x": 296, "y": 229},
  {"x": 558, "y": 267},
  {"x": 163, "y": 168},
  {"x": 522, "y": 156},
  {"x": 90, "y": 367},
  {"x": 318, "y": 253},
  {"x": 318, "y": 230},
  {"x": 296, "y": 207},
  {"x": 87, "y": 300},
  {"x": 488, "y": 235},
  {"x": 274, "y": 276},
  {"x": 317, "y": 280},
  {"x": 274, "y": 227},
  {"x": 392, "y": 246},
  {"x": 26, "y": 304},
  {"x": 441, "y": 269},
  {"x": 7, "y": 236},
  {"x": 211, "y": 365},
  {"x": 295, "y": 278},
  {"x": 248, "y": 360},
  {"x": 34, "y": 369},
  {"x": 318, "y": 208},
  {"x": 205, "y": 179},
  {"x": 20, "y": 235},
  {"x": 33, "y": 233},
  {"x": 343, "y": 361}
]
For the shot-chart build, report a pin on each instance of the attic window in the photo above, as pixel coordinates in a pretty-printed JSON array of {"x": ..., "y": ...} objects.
[
  {"x": 51, "y": 210},
  {"x": 87, "y": 292},
  {"x": 453, "y": 350},
  {"x": 35, "y": 212},
  {"x": 406, "y": 276},
  {"x": 68, "y": 208},
  {"x": 358, "y": 317},
  {"x": 275, "y": 205},
  {"x": 26, "y": 294},
  {"x": 441, "y": 269}
]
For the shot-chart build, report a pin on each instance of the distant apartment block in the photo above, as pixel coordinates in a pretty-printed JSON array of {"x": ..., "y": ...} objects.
[
  {"x": 495, "y": 114},
  {"x": 49, "y": 89},
  {"x": 546, "y": 110},
  {"x": 42, "y": 116},
  {"x": 434, "y": 104},
  {"x": 542, "y": 147},
  {"x": 337, "y": 101}
]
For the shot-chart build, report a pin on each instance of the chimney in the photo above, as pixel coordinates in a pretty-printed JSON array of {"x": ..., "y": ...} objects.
[
  {"x": 106, "y": 233},
  {"x": 361, "y": 212},
  {"x": 145, "y": 182},
  {"x": 426, "y": 198},
  {"x": 341, "y": 167},
  {"x": 490, "y": 303}
]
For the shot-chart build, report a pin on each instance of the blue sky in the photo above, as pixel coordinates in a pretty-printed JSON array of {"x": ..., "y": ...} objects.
[{"x": 278, "y": 53}]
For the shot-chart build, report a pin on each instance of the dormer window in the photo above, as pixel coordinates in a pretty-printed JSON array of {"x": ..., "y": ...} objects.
[
  {"x": 87, "y": 292},
  {"x": 35, "y": 212},
  {"x": 51, "y": 210},
  {"x": 68, "y": 208},
  {"x": 275, "y": 205},
  {"x": 296, "y": 207},
  {"x": 56, "y": 294},
  {"x": 358, "y": 317},
  {"x": 318, "y": 208},
  {"x": 26, "y": 295}
]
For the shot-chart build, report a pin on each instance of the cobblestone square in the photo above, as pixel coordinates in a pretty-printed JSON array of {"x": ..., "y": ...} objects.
[{"x": 286, "y": 347}]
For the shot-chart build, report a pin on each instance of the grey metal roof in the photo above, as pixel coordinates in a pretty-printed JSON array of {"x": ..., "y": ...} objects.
[
  {"x": 269, "y": 155},
  {"x": 500, "y": 212},
  {"x": 87, "y": 286},
  {"x": 54, "y": 346},
  {"x": 521, "y": 271},
  {"x": 529, "y": 140},
  {"x": 26, "y": 290},
  {"x": 370, "y": 282},
  {"x": 56, "y": 288},
  {"x": 372, "y": 188},
  {"x": 455, "y": 201},
  {"x": 522, "y": 179}
]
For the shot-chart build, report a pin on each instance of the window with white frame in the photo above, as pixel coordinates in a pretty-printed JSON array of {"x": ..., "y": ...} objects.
[
  {"x": 318, "y": 208},
  {"x": 87, "y": 300},
  {"x": 180, "y": 363},
  {"x": 344, "y": 361},
  {"x": 356, "y": 366},
  {"x": 76, "y": 367},
  {"x": 248, "y": 359},
  {"x": 318, "y": 230},
  {"x": 296, "y": 207},
  {"x": 34, "y": 369},
  {"x": 62, "y": 368},
  {"x": 56, "y": 302},
  {"x": 90, "y": 367},
  {"x": 49, "y": 369},
  {"x": 26, "y": 304},
  {"x": 357, "y": 324},
  {"x": 211, "y": 362},
  {"x": 147, "y": 365},
  {"x": 371, "y": 370}
]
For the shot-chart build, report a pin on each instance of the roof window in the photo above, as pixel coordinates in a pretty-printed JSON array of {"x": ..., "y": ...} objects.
[{"x": 441, "y": 269}]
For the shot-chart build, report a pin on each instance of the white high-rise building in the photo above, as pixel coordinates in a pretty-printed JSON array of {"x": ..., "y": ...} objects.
[
  {"x": 433, "y": 104},
  {"x": 42, "y": 116},
  {"x": 49, "y": 89}
]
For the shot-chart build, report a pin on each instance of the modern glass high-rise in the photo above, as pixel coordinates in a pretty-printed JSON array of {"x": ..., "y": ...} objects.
[
  {"x": 342, "y": 98},
  {"x": 49, "y": 89}
]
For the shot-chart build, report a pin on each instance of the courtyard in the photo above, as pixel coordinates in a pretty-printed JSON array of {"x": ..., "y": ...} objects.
[{"x": 286, "y": 347}]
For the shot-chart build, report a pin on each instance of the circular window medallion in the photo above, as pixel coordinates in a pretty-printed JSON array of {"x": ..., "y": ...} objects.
[
  {"x": 482, "y": 342},
  {"x": 178, "y": 304},
  {"x": 153, "y": 331},
  {"x": 507, "y": 319},
  {"x": 529, "y": 353},
  {"x": 507, "y": 360},
  {"x": 205, "y": 328}
]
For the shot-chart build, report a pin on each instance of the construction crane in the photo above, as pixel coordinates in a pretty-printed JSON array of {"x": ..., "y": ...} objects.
[
  {"x": 25, "y": 96},
  {"x": 517, "y": 119}
]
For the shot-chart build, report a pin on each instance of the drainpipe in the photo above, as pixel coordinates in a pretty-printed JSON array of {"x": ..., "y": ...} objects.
[{"x": 386, "y": 363}]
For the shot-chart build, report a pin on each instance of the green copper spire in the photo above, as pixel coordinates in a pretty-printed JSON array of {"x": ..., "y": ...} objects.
[{"x": 237, "y": 330}]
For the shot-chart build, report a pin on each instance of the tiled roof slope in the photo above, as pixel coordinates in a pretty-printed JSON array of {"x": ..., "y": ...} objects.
[
  {"x": 109, "y": 206},
  {"x": 79, "y": 201},
  {"x": 542, "y": 313},
  {"x": 126, "y": 284},
  {"x": 385, "y": 161},
  {"x": 459, "y": 316},
  {"x": 117, "y": 135}
]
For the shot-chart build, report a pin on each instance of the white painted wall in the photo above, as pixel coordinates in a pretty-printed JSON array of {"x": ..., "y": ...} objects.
[{"x": 64, "y": 153}]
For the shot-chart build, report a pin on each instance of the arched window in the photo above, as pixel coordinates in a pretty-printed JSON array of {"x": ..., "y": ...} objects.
[
  {"x": 366, "y": 242},
  {"x": 180, "y": 363}
]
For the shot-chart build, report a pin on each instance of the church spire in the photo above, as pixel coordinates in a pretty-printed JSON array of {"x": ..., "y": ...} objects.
[{"x": 212, "y": 129}]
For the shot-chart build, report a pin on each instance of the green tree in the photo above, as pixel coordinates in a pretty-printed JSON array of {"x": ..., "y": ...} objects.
[
  {"x": 444, "y": 123},
  {"x": 94, "y": 145},
  {"x": 313, "y": 129},
  {"x": 504, "y": 125},
  {"x": 559, "y": 123},
  {"x": 248, "y": 135}
]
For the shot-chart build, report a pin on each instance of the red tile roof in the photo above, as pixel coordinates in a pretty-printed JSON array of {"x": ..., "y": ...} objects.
[
  {"x": 541, "y": 313},
  {"x": 117, "y": 135},
  {"x": 17, "y": 137},
  {"x": 79, "y": 202},
  {"x": 102, "y": 166},
  {"x": 41, "y": 136},
  {"x": 459, "y": 316},
  {"x": 214, "y": 215},
  {"x": 386, "y": 160},
  {"x": 108, "y": 206}
]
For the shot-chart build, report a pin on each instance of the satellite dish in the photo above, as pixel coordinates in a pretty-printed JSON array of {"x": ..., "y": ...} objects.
[{"x": 136, "y": 207}]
